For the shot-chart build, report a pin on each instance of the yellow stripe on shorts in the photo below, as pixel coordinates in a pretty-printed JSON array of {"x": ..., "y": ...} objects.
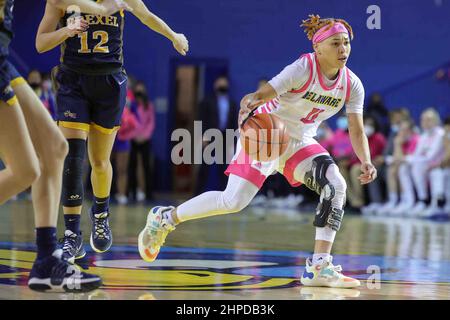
[
  {"x": 74, "y": 125},
  {"x": 17, "y": 81},
  {"x": 104, "y": 130},
  {"x": 12, "y": 101}
]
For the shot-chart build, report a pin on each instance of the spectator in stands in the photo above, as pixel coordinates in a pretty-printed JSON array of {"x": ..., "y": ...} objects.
[
  {"x": 42, "y": 90},
  {"x": 440, "y": 178},
  {"x": 396, "y": 116},
  {"x": 140, "y": 187},
  {"x": 121, "y": 150},
  {"x": 218, "y": 111},
  {"x": 414, "y": 172},
  {"x": 404, "y": 144},
  {"x": 377, "y": 143}
]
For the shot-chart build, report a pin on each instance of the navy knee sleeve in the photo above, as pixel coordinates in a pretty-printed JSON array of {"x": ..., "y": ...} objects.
[{"x": 72, "y": 186}]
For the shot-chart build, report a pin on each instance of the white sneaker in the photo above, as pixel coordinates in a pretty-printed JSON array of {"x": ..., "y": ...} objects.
[
  {"x": 140, "y": 196},
  {"x": 121, "y": 199},
  {"x": 259, "y": 200},
  {"x": 385, "y": 209},
  {"x": 326, "y": 275},
  {"x": 371, "y": 208},
  {"x": 418, "y": 209},
  {"x": 154, "y": 234},
  {"x": 429, "y": 211},
  {"x": 292, "y": 200},
  {"x": 402, "y": 209}
]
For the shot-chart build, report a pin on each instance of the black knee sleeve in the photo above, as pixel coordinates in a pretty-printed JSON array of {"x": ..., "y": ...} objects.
[{"x": 72, "y": 185}]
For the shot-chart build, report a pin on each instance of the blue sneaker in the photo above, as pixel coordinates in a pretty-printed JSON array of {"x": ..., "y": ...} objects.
[
  {"x": 54, "y": 273},
  {"x": 72, "y": 246},
  {"x": 101, "y": 236}
]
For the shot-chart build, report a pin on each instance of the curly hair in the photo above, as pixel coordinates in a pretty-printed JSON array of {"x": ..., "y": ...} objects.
[{"x": 314, "y": 23}]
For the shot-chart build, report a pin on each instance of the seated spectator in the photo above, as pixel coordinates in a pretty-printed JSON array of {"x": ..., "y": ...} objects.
[
  {"x": 440, "y": 179},
  {"x": 377, "y": 143},
  {"x": 414, "y": 172},
  {"x": 404, "y": 144}
]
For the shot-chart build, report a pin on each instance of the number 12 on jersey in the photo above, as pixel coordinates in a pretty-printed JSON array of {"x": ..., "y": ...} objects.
[
  {"x": 99, "y": 47},
  {"x": 312, "y": 116}
]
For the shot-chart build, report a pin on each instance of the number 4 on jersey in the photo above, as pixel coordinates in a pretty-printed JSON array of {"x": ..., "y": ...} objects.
[{"x": 312, "y": 116}]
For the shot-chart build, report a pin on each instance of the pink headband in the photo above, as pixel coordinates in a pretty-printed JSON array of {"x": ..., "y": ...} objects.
[{"x": 323, "y": 34}]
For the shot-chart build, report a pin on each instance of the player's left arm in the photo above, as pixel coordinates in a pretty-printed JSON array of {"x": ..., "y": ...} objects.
[
  {"x": 358, "y": 138},
  {"x": 152, "y": 21},
  {"x": 360, "y": 145}
]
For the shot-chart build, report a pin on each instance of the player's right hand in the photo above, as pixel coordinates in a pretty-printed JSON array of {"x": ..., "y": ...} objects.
[
  {"x": 247, "y": 104},
  {"x": 76, "y": 26},
  {"x": 180, "y": 43}
]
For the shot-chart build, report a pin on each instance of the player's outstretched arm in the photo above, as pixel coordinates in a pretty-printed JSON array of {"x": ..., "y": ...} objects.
[
  {"x": 106, "y": 8},
  {"x": 140, "y": 10},
  {"x": 48, "y": 37},
  {"x": 361, "y": 147}
]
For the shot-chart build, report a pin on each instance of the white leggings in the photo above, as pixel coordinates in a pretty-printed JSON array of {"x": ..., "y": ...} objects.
[{"x": 240, "y": 192}]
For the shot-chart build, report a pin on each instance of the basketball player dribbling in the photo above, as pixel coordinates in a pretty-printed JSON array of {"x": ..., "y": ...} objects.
[
  {"x": 310, "y": 90},
  {"x": 33, "y": 150}
]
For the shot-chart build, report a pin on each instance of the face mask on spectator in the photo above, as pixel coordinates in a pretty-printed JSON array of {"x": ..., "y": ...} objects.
[
  {"x": 222, "y": 90},
  {"x": 394, "y": 128},
  {"x": 342, "y": 123},
  {"x": 369, "y": 130},
  {"x": 140, "y": 95},
  {"x": 34, "y": 85}
]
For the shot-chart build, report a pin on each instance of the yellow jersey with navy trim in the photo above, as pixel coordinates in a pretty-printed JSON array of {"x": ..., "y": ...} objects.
[{"x": 98, "y": 50}]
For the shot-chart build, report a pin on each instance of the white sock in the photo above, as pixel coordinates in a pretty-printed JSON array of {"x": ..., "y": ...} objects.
[
  {"x": 168, "y": 216},
  {"x": 393, "y": 197},
  {"x": 237, "y": 195},
  {"x": 319, "y": 258}
]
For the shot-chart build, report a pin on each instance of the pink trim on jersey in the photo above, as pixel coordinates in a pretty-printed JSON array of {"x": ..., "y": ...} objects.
[
  {"x": 322, "y": 83},
  {"x": 242, "y": 167},
  {"x": 306, "y": 85},
  {"x": 297, "y": 158},
  {"x": 349, "y": 85}
]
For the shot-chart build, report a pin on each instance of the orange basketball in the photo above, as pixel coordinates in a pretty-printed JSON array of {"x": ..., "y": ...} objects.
[{"x": 264, "y": 137}]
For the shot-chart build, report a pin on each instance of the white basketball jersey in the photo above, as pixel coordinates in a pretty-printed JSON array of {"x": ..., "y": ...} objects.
[{"x": 304, "y": 108}]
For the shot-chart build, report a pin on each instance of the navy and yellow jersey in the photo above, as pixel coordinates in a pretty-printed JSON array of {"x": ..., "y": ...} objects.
[
  {"x": 6, "y": 32},
  {"x": 98, "y": 50}
]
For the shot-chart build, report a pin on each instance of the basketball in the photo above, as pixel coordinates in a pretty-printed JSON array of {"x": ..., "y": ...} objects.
[{"x": 264, "y": 137}]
